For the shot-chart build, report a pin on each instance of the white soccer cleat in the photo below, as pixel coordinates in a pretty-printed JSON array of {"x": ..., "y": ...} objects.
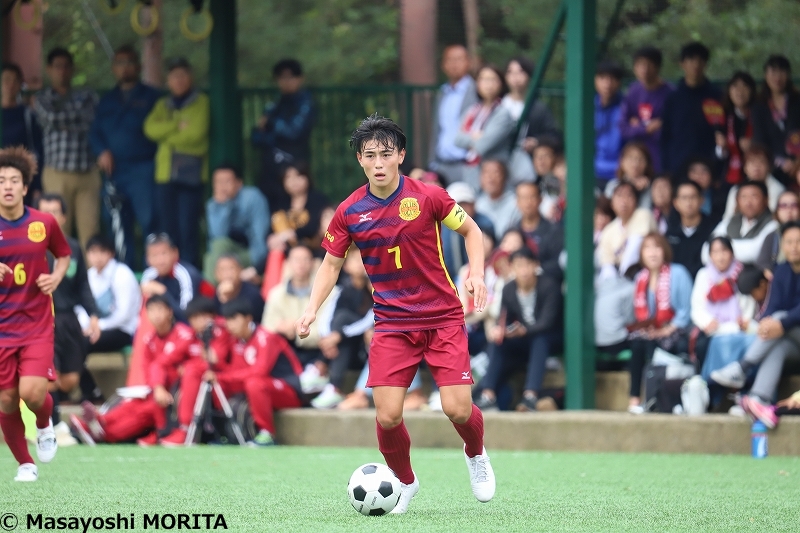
[
  {"x": 481, "y": 476},
  {"x": 27, "y": 472},
  {"x": 406, "y": 493},
  {"x": 46, "y": 443}
]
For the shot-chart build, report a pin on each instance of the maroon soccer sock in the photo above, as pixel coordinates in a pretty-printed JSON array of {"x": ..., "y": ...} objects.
[
  {"x": 14, "y": 434},
  {"x": 395, "y": 445},
  {"x": 472, "y": 432},
  {"x": 44, "y": 412}
]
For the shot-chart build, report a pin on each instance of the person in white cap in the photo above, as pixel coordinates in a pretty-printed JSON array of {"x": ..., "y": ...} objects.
[{"x": 453, "y": 249}]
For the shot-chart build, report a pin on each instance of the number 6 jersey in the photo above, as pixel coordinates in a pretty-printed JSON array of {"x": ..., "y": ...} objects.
[
  {"x": 400, "y": 244},
  {"x": 26, "y": 314}
]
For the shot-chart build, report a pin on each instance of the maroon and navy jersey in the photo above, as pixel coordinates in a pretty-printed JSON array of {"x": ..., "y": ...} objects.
[
  {"x": 26, "y": 313},
  {"x": 400, "y": 244}
]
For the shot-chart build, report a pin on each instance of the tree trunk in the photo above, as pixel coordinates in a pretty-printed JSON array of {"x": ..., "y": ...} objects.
[
  {"x": 153, "y": 48},
  {"x": 472, "y": 28}
]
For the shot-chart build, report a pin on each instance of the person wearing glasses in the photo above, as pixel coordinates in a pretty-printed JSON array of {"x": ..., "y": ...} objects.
[
  {"x": 166, "y": 276},
  {"x": 124, "y": 155}
]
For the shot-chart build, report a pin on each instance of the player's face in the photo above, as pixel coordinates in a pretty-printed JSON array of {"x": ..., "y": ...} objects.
[
  {"x": 12, "y": 188},
  {"x": 159, "y": 315},
  {"x": 381, "y": 164},
  {"x": 238, "y": 326}
]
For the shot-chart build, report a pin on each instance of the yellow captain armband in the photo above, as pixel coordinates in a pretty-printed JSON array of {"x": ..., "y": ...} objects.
[{"x": 456, "y": 218}]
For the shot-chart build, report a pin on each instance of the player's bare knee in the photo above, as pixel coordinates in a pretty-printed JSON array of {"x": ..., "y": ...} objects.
[
  {"x": 68, "y": 382},
  {"x": 389, "y": 419},
  {"x": 9, "y": 400},
  {"x": 33, "y": 394},
  {"x": 458, "y": 413}
]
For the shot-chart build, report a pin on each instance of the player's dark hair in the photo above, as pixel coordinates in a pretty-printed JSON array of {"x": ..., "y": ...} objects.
[
  {"x": 695, "y": 49},
  {"x": 292, "y": 65},
  {"x": 749, "y": 279},
  {"x": 101, "y": 242},
  {"x": 13, "y": 67},
  {"x": 57, "y": 52},
  {"x": 650, "y": 53},
  {"x": 200, "y": 305},
  {"x": 158, "y": 299},
  {"x": 237, "y": 306},
  {"x": 51, "y": 197},
  {"x": 128, "y": 50},
  {"x": 21, "y": 159},
  {"x": 379, "y": 129},
  {"x": 524, "y": 253},
  {"x": 230, "y": 167}
]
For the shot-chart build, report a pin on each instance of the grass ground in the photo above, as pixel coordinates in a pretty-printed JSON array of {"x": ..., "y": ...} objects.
[{"x": 293, "y": 489}]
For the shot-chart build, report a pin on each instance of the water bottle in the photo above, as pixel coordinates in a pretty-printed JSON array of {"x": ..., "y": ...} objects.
[{"x": 758, "y": 437}]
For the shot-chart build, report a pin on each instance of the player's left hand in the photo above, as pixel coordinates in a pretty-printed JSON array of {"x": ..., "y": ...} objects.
[
  {"x": 47, "y": 283},
  {"x": 477, "y": 288}
]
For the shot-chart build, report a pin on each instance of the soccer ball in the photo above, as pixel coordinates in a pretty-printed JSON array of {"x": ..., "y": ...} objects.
[{"x": 373, "y": 489}]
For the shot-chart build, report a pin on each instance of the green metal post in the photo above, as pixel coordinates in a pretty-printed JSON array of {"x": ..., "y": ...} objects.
[
  {"x": 579, "y": 323},
  {"x": 226, "y": 109},
  {"x": 541, "y": 67}
]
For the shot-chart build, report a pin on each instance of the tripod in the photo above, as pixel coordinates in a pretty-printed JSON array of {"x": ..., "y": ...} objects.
[{"x": 203, "y": 400}]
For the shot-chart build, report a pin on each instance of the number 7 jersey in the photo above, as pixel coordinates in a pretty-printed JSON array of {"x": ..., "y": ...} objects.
[
  {"x": 400, "y": 243},
  {"x": 26, "y": 313}
]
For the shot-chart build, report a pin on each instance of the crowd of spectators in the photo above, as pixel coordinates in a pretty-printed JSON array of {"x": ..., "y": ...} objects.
[{"x": 696, "y": 212}]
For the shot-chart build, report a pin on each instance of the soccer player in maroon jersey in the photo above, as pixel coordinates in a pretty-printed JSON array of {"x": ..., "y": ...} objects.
[
  {"x": 26, "y": 311},
  {"x": 396, "y": 224}
]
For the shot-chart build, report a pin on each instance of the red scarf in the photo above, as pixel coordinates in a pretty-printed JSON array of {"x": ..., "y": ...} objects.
[
  {"x": 734, "y": 175},
  {"x": 664, "y": 311}
]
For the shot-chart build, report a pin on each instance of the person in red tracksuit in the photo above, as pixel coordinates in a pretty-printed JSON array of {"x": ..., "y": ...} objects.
[
  {"x": 262, "y": 365},
  {"x": 172, "y": 346},
  {"x": 216, "y": 349}
]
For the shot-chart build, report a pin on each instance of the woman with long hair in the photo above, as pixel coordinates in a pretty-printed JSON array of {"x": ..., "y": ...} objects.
[
  {"x": 661, "y": 307},
  {"x": 487, "y": 126},
  {"x": 776, "y": 116},
  {"x": 296, "y": 219},
  {"x": 740, "y": 95}
]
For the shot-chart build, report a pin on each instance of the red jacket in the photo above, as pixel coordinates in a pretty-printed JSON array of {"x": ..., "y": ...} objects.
[{"x": 164, "y": 355}]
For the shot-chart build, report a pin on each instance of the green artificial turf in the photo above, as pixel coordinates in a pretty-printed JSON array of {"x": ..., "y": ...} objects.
[{"x": 294, "y": 489}]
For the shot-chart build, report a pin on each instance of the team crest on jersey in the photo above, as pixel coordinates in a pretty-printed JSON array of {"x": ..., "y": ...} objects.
[
  {"x": 36, "y": 231},
  {"x": 409, "y": 209}
]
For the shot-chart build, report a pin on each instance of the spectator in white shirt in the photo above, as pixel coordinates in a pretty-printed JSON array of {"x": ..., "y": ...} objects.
[{"x": 116, "y": 293}]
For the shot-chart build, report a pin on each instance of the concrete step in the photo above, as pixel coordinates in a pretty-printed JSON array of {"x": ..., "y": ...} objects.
[{"x": 586, "y": 431}]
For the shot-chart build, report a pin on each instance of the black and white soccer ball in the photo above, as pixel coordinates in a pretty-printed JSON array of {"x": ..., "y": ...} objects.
[{"x": 373, "y": 489}]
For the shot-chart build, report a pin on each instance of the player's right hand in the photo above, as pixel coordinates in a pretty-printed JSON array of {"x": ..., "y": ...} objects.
[
  {"x": 162, "y": 396},
  {"x": 4, "y": 269},
  {"x": 303, "y": 326}
]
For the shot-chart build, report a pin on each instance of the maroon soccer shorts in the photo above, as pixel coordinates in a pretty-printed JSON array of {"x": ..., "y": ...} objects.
[
  {"x": 32, "y": 360},
  {"x": 395, "y": 355}
]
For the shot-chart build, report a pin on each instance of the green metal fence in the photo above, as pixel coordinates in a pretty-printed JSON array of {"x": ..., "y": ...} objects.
[{"x": 340, "y": 109}]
